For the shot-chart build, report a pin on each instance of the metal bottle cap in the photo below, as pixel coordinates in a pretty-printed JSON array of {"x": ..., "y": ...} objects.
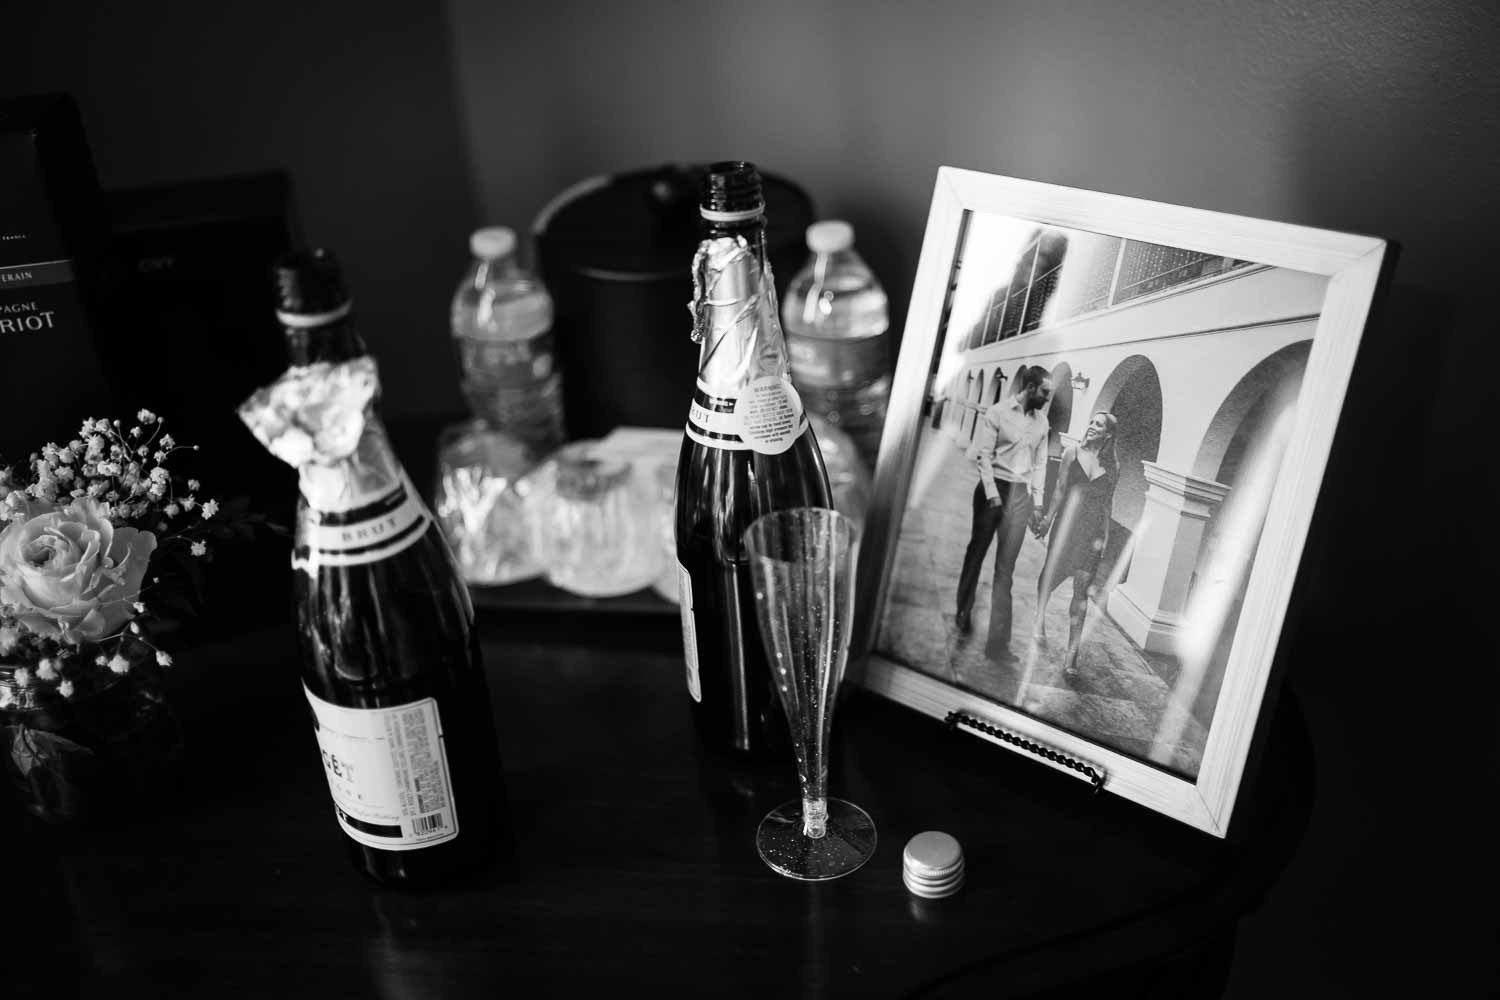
[{"x": 933, "y": 865}]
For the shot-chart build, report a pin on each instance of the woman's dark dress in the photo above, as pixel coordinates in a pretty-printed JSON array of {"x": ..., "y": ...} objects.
[{"x": 1085, "y": 517}]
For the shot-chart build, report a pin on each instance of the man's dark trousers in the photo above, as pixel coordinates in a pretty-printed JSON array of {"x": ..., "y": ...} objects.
[{"x": 1009, "y": 521}]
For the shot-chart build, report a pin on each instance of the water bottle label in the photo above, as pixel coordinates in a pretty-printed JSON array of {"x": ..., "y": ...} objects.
[
  {"x": 388, "y": 773},
  {"x": 836, "y": 362},
  {"x": 689, "y": 631},
  {"x": 766, "y": 416},
  {"x": 507, "y": 364}
]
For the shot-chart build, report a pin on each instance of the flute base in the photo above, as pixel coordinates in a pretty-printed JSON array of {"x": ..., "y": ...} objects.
[{"x": 848, "y": 843}]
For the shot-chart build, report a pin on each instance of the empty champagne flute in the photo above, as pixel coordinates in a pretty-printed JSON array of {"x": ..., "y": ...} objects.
[{"x": 802, "y": 564}]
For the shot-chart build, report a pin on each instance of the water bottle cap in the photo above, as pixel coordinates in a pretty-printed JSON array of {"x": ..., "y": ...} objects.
[
  {"x": 493, "y": 242},
  {"x": 830, "y": 236},
  {"x": 932, "y": 866}
]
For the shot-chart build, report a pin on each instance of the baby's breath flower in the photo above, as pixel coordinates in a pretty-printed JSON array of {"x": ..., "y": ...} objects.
[
  {"x": 160, "y": 475},
  {"x": 210, "y": 508},
  {"x": 65, "y": 689},
  {"x": 199, "y": 549},
  {"x": 172, "y": 510},
  {"x": 135, "y": 432},
  {"x": 95, "y": 446},
  {"x": 6, "y": 698},
  {"x": 47, "y": 669},
  {"x": 119, "y": 664},
  {"x": 194, "y": 485},
  {"x": 101, "y": 660},
  {"x": 188, "y": 503},
  {"x": 109, "y": 468},
  {"x": 159, "y": 456},
  {"x": 22, "y": 677},
  {"x": 167, "y": 442},
  {"x": 140, "y": 607},
  {"x": 146, "y": 416},
  {"x": 163, "y": 657}
]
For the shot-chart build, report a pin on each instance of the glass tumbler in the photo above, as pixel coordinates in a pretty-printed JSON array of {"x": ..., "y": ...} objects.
[
  {"x": 482, "y": 502},
  {"x": 600, "y": 540}
]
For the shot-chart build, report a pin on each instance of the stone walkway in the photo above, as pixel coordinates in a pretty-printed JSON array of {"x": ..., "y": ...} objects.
[{"x": 1119, "y": 696}]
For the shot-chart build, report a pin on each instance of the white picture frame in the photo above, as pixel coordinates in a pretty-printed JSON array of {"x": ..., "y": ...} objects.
[{"x": 1249, "y": 329}]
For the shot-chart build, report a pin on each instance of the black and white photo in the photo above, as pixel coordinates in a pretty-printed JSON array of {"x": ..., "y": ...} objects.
[{"x": 1106, "y": 427}]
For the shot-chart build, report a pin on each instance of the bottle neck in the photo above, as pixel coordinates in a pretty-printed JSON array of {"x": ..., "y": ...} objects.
[
  {"x": 734, "y": 307},
  {"x": 332, "y": 341},
  {"x": 487, "y": 269}
]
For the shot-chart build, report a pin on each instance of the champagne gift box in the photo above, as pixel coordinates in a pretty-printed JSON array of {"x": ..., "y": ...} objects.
[{"x": 51, "y": 240}]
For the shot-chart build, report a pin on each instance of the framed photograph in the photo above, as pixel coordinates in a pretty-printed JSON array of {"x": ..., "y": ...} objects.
[{"x": 1107, "y": 432}]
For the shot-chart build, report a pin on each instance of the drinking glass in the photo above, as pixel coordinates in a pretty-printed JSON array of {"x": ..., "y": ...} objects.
[
  {"x": 802, "y": 564},
  {"x": 598, "y": 543},
  {"x": 482, "y": 503}
]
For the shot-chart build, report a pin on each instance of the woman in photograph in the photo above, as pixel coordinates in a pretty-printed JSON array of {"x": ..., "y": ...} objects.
[{"x": 1078, "y": 520}]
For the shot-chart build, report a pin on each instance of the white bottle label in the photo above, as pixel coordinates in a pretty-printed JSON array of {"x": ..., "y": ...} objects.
[
  {"x": 770, "y": 415},
  {"x": 388, "y": 772},
  {"x": 689, "y": 631},
  {"x": 394, "y": 523},
  {"x": 766, "y": 416}
]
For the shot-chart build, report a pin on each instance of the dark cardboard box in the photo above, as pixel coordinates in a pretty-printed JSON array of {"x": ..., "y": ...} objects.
[
  {"x": 195, "y": 286},
  {"x": 51, "y": 241}
]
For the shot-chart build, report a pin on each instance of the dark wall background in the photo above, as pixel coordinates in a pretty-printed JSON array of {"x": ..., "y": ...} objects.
[
  {"x": 406, "y": 124},
  {"x": 355, "y": 99}
]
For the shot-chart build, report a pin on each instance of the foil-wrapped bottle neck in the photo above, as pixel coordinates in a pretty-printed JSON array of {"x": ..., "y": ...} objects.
[{"x": 734, "y": 314}]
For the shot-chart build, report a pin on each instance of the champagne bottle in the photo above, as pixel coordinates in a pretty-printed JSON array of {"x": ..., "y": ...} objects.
[
  {"x": 749, "y": 449},
  {"x": 390, "y": 654}
]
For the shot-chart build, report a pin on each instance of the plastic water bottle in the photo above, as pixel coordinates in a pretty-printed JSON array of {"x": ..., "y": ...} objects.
[
  {"x": 835, "y": 317},
  {"x": 502, "y": 329}
]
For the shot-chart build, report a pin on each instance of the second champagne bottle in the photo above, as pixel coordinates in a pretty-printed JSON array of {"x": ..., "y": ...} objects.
[
  {"x": 748, "y": 450},
  {"x": 391, "y": 665}
]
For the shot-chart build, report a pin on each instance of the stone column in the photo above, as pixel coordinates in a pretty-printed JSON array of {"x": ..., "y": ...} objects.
[{"x": 1148, "y": 605}]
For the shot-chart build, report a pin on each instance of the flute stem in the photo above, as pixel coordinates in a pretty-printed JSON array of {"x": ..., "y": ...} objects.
[{"x": 814, "y": 817}]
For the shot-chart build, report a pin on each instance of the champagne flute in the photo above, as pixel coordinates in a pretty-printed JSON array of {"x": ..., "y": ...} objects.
[{"x": 802, "y": 564}]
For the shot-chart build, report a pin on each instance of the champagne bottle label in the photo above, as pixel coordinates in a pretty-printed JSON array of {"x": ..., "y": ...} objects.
[
  {"x": 375, "y": 531},
  {"x": 689, "y": 631},
  {"x": 765, "y": 416},
  {"x": 388, "y": 772}
]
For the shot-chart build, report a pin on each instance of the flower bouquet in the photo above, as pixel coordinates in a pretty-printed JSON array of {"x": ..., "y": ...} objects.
[{"x": 101, "y": 545}]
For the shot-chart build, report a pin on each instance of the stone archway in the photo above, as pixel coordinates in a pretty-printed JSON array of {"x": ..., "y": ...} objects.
[
  {"x": 1256, "y": 400},
  {"x": 1133, "y": 394},
  {"x": 1231, "y": 455},
  {"x": 997, "y": 385},
  {"x": 966, "y": 423}
]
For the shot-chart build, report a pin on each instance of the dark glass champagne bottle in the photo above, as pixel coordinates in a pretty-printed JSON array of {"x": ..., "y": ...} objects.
[
  {"x": 749, "y": 449},
  {"x": 390, "y": 653}
]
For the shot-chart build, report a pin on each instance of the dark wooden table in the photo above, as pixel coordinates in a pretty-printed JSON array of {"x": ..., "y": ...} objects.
[{"x": 632, "y": 863}]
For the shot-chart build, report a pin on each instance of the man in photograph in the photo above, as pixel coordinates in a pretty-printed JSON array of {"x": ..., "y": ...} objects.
[{"x": 1012, "y": 459}]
